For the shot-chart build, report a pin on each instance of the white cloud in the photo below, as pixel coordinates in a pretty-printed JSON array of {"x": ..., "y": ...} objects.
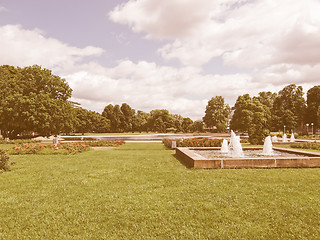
[
  {"x": 3, "y": 9},
  {"x": 277, "y": 41},
  {"x": 21, "y": 47},
  {"x": 162, "y": 19},
  {"x": 146, "y": 86},
  {"x": 245, "y": 33}
]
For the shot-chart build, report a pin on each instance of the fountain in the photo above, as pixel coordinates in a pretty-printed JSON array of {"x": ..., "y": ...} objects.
[
  {"x": 274, "y": 139},
  {"x": 267, "y": 147},
  {"x": 292, "y": 139},
  {"x": 284, "y": 138},
  {"x": 235, "y": 146},
  {"x": 247, "y": 157},
  {"x": 224, "y": 147}
]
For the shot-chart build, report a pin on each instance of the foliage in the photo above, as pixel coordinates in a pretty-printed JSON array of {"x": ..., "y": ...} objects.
[
  {"x": 242, "y": 114},
  {"x": 259, "y": 128},
  {"x": 33, "y": 99},
  {"x": 306, "y": 145},
  {"x": 141, "y": 191},
  {"x": 61, "y": 148},
  {"x": 313, "y": 106},
  {"x": 160, "y": 120},
  {"x": 4, "y": 160},
  {"x": 216, "y": 114},
  {"x": 253, "y": 117},
  {"x": 103, "y": 143},
  {"x": 193, "y": 142},
  {"x": 126, "y": 119},
  {"x": 197, "y": 126},
  {"x": 18, "y": 141},
  {"x": 288, "y": 108},
  {"x": 90, "y": 121}
]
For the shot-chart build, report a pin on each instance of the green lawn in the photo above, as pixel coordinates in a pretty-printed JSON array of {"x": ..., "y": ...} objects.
[{"x": 141, "y": 191}]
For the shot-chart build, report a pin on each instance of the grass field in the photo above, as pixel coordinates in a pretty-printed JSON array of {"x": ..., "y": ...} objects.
[{"x": 141, "y": 191}]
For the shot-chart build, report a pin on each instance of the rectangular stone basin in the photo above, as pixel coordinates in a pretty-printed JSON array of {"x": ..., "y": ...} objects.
[{"x": 303, "y": 159}]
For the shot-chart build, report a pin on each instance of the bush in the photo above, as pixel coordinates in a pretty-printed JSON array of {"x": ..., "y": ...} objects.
[
  {"x": 4, "y": 161},
  {"x": 19, "y": 141},
  {"x": 103, "y": 143},
  {"x": 61, "y": 148},
  {"x": 193, "y": 142},
  {"x": 306, "y": 145}
]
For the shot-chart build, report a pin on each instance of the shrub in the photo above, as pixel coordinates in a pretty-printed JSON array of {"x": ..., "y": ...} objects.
[
  {"x": 19, "y": 141},
  {"x": 61, "y": 148},
  {"x": 103, "y": 143},
  {"x": 306, "y": 145},
  {"x": 193, "y": 142},
  {"x": 4, "y": 161}
]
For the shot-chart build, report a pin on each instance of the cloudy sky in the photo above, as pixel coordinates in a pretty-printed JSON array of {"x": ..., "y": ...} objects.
[{"x": 172, "y": 54}]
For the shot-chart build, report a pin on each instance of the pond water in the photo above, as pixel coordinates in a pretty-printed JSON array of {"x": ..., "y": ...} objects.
[{"x": 247, "y": 153}]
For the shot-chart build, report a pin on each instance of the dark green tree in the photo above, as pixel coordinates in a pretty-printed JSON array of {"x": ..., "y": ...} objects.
[
  {"x": 258, "y": 127},
  {"x": 267, "y": 100},
  {"x": 115, "y": 116},
  {"x": 216, "y": 114},
  {"x": 251, "y": 116},
  {"x": 160, "y": 121},
  {"x": 187, "y": 125},
  {"x": 288, "y": 108},
  {"x": 32, "y": 99},
  {"x": 128, "y": 117},
  {"x": 140, "y": 121},
  {"x": 243, "y": 113},
  {"x": 198, "y": 126},
  {"x": 313, "y": 104}
]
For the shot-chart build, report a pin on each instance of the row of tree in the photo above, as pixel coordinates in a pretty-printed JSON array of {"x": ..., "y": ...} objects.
[
  {"x": 32, "y": 99},
  {"x": 258, "y": 115},
  {"x": 118, "y": 119}
]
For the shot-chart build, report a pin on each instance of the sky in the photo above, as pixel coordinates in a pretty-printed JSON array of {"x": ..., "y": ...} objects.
[{"x": 168, "y": 54}]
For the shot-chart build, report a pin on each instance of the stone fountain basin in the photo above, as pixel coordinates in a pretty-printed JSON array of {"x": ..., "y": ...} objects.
[{"x": 302, "y": 159}]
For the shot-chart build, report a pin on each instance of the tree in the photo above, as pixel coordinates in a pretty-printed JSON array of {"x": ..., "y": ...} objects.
[
  {"x": 127, "y": 120},
  {"x": 160, "y": 120},
  {"x": 82, "y": 123},
  {"x": 313, "y": 104},
  {"x": 140, "y": 121},
  {"x": 251, "y": 116},
  {"x": 242, "y": 114},
  {"x": 216, "y": 114},
  {"x": 187, "y": 125},
  {"x": 197, "y": 126},
  {"x": 258, "y": 127},
  {"x": 288, "y": 108},
  {"x": 115, "y": 116},
  {"x": 33, "y": 99},
  {"x": 267, "y": 100}
]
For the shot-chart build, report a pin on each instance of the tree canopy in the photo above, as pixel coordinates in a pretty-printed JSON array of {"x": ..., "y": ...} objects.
[
  {"x": 288, "y": 108},
  {"x": 313, "y": 106},
  {"x": 216, "y": 114},
  {"x": 33, "y": 99}
]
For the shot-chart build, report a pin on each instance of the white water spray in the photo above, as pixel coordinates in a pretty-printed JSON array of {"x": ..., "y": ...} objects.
[
  {"x": 224, "y": 147},
  {"x": 267, "y": 147},
  {"x": 235, "y": 146},
  {"x": 292, "y": 139},
  {"x": 284, "y": 138}
]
